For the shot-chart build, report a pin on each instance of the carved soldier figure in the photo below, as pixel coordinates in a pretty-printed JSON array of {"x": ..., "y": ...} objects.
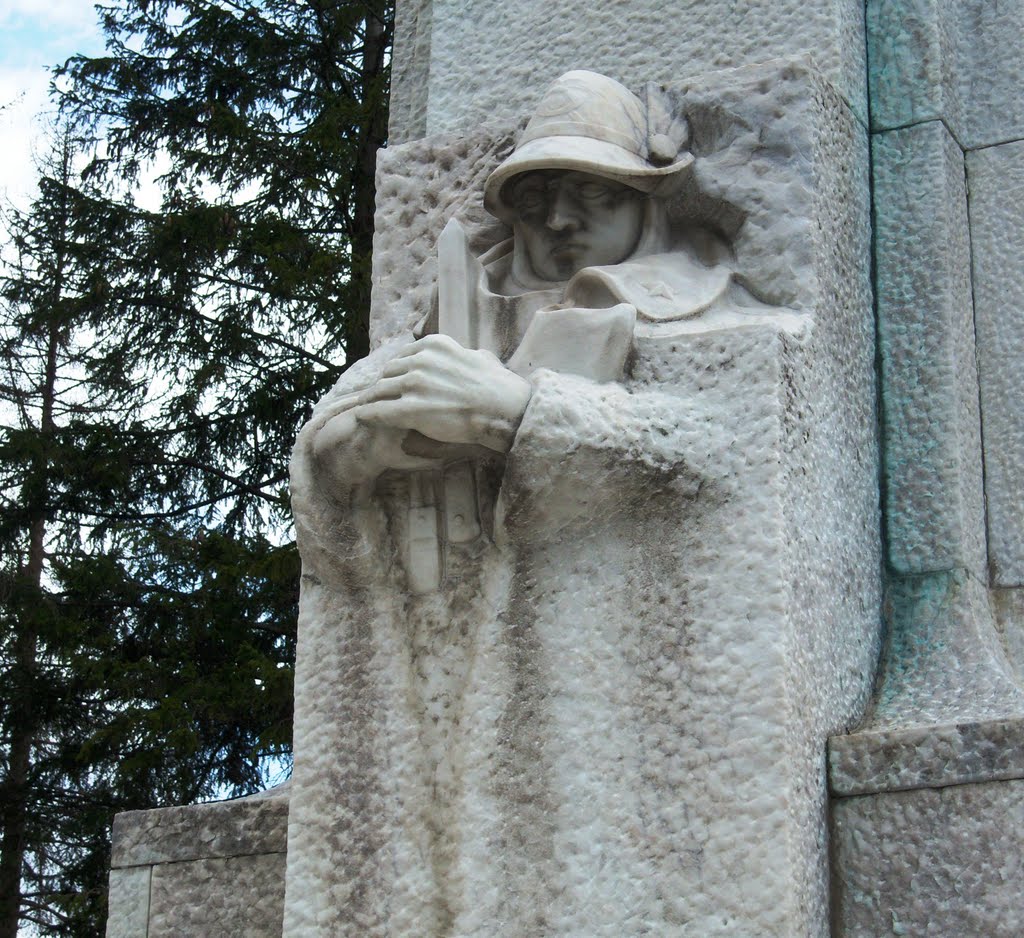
[
  {"x": 484, "y": 509},
  {"x": 592, "y": 258}
]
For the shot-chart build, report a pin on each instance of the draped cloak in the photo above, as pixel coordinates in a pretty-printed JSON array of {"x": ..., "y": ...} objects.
[{"x": 491, "y": 750}]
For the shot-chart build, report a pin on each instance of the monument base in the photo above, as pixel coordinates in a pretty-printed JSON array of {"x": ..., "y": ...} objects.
[{"x": 202, "y": 870}]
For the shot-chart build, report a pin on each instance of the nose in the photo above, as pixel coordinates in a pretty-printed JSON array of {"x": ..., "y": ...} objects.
[{"x": 562, "y": 214}]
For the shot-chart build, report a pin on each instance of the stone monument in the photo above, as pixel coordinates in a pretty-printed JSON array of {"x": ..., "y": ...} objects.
[{"x": 592, "y": 543}]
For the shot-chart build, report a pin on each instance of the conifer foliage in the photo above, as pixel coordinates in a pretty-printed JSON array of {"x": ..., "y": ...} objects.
[{"x": 159, "y": 360}]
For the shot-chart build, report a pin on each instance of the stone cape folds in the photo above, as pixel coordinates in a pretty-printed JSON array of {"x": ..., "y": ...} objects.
[
  {"x": 481, "y": 725},
  {"x": 532, "y": 668}
]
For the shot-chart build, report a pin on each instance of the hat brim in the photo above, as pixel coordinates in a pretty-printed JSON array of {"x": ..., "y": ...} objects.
[{"x": 582, "y": 154}]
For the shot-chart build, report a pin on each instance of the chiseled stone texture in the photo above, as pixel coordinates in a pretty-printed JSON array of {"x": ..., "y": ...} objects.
[
  {"x": 410, "y": 69},
  {"x": 490, "y": 61},
  {"x": 926, "y": 756},
  {"x": 1008, "y": 605},
  {"x": 931, "y": 863},
  {"x": 948, "y": 707},
  {"x": 758, "y": 179},
  {"x": 218, "y": 829},
  {"x": 241, "y": 895},
  {"x": 128, "y": 902},
  {"x": 933, "y": 484},
  {"x": 627, "y": 697},
  {"x": 996, "y": 177},
  {"x": 958, "y": 60},
  {"x": 911, "y": 51},
  {"x": 200, "y": 870}
]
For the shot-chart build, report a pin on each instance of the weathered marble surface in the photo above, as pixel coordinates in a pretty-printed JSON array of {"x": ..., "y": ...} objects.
[
  {"x": 218, "y": 829},
  {"x": 241, "y": 895},
  {"x": 932, "y": 480},
  {"x": 935, "y": 756},
  {"x": 128, "y": 901},
  {"x": 1008, "y": 607},
  {"x": 626, "y": 712},
  {"x": 762, "y": 174},
  {"x": 996, "y": 177},
  {"x": 946, "y": 698},
  {"x": 931, "y": 863},
  {"x": 463, "y": 63},
  {"x": 948, "y": 59},
  {"x": 202, "y": 870}
]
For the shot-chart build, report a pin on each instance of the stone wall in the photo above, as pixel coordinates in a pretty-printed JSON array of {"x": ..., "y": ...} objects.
[
  {"x": 927, "y": 817},
  {"x": 460, "y": 62},
  {"x": 200, "y": 871}
]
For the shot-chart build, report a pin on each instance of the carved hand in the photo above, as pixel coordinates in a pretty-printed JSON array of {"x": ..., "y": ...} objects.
[
  {"x": 448, "y": 393},
  {"x": 352, "y": 452}
]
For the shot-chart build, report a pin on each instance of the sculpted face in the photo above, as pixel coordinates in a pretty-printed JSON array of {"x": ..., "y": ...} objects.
[{"x": 570, "y": 220}]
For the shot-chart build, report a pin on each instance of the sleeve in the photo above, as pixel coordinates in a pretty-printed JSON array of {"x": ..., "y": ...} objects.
[
  {"x": 332, "y": 517},
  {"x": 587, "y": 451}
]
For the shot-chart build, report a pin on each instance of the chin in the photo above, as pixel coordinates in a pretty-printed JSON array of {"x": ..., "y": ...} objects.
[{"x": 563, "y": 268}]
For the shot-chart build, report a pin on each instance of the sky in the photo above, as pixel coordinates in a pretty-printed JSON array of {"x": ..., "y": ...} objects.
[{"x": 34, "y": 35}]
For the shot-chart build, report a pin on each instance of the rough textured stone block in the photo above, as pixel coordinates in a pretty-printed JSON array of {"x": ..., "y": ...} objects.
[
  {"x": 200, "y": 870},
  {"x": 128, "y": 902},
  {"x": 488, "y": 61},
  {"x": 611, "y": 721},
  {"x": 1008, "y": 605},
  {"x": 926, "y": 756},
  {"x": 949, "y": 59},
  {"x": 948, "y": 707},
  {"x": 219, "y": 829},
  {"x": 996, "y": 178},
  {"x": 932, "y": 427},
  {"x": 931, "y": 863},
  {"x": 241, "y": 896},
  {"x": 911, "y": 53},
  {"x": 410, "y": 70}
]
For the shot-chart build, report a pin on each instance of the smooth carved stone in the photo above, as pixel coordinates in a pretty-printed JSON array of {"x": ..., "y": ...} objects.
[
  {"x": 996, "y": 177},
  {"x": 931, "y": 862},
  {"x": 933, "y": 466}
]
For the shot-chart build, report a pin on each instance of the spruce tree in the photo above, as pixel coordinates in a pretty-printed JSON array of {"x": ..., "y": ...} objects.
[{"x": 160, "y": 361}]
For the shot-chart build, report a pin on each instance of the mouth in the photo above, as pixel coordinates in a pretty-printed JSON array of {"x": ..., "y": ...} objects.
[{"x": 564, "y": 248}]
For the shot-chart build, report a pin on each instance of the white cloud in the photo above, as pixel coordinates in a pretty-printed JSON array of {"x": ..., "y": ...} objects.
[
  {"x": 33, "y": 37},
  {"x": 66, "y": 16},
  {"x": 23, "y": 94}
]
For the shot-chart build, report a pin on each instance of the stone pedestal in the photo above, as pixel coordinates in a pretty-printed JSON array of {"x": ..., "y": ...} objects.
[{"x": 199, "y": 871}]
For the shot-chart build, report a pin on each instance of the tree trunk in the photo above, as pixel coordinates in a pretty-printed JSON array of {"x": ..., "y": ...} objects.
[
  {"x": 14, "y": 790},
  {"x": 29, "y": 599}
]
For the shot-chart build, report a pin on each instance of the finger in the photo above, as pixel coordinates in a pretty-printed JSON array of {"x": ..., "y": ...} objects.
[
  {"x": 431, "y": 344},
  {"x": 389, "y": 389},
  {"x": 400, "y": 413},
  {"x": 436, "y": 341},
  {"x": 342, "y": 403},
  {"x": 395, "y": 367}
]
